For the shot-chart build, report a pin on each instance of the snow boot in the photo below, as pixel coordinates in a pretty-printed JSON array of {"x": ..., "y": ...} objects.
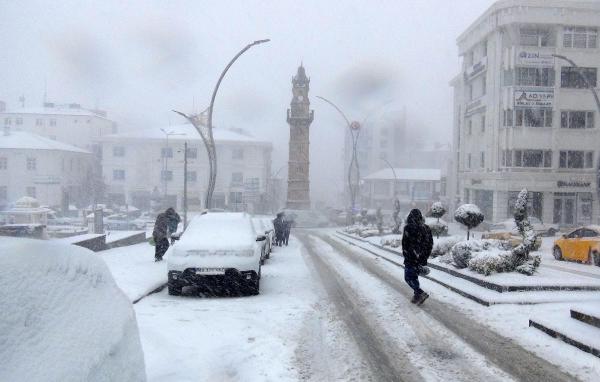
[
  {"x": 415, "y": 299},
  {"x": 421, "y": 299}
]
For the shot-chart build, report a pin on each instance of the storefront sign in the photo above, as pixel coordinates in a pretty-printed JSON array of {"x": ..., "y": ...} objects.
[
  {"x": 574, "y": 183},
  {"x": 476, "y": 69},
  {"x": 534, "y": 98},
  {"x": 533, "y": 58}
]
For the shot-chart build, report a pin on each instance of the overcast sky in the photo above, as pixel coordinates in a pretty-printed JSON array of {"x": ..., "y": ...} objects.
[{"x": 140, "y": 59}]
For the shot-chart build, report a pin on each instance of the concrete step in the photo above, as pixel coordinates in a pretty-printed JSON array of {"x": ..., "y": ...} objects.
[
  {"x": 574, "y": 332},
  {"x": 587, "y": 314}
]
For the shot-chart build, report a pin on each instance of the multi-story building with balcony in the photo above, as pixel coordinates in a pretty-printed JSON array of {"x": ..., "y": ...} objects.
[{"x": 524, "y": 118}]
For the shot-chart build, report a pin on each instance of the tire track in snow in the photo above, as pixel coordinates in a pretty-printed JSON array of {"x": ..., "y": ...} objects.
[
  {"x": 502, "y": 351},
  {"x": 386, "y": 363}
]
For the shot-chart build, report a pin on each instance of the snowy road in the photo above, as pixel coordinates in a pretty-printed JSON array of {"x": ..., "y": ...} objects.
[{"x": 326, "y": 312}]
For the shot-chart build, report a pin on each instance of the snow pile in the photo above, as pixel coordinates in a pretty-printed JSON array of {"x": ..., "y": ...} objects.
[
  {"x": 63, "y": 318},
  {"x": 443, "y": 246},
  {"x": 363, "y": 230},
  {"x": 393, "y": 241}
]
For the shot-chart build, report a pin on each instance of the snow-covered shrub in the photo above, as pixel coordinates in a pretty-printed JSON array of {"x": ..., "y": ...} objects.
[
  {"x": 438, "y": 227},
  {"x": 437, "y": 210},
  {"x": 443, "y": 246},
  {"x": 463, "y": 252},
  {"x": 393, "y": 242},
  {"x": 503, "y": 258},
  {"x": 468, "y": 215},
  {"x": 63, "y": 318}
]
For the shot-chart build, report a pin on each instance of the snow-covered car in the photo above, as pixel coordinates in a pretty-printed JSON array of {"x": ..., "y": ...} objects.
[
  {"x": 217, "y": 250},
  {"x": 540, "y": 228},
  {"x": 117, "y": 222},
  {"x": 269, "y": 230}
]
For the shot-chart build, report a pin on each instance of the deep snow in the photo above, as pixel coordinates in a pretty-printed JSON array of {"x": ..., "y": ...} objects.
[{"x": 63, "y": 318}]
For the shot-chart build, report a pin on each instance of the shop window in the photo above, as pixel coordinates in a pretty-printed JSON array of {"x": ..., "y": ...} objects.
[
  {"x": 192, "y": 153},
  {"x": 508, "y": 117},
  {"x": 118, "y": 174},
  {"x": 580, "y": 37},
  {"x": 535, "y": 203},
  {"x": 571, "y": 77},
  {"x": 19, "y": 121},
  {"x": 166, "y": 175},
  {"x": 577, "y": 119}
]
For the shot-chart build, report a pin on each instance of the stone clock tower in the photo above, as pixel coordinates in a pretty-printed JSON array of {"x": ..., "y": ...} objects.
[{"x": 299, "y": 117}]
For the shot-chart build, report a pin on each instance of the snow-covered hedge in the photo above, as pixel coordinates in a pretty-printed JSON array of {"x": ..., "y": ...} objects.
[
  {"x": 438, "y": 227},
  {"x": 62, "y": 317},
  {"x": 393, "y": 242},
  {"x": 443, "y": 246},
  {"x": 464, "y": 251}
]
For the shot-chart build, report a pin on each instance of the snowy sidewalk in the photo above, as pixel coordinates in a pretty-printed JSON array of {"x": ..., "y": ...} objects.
[{"x": 134, "y": 269}]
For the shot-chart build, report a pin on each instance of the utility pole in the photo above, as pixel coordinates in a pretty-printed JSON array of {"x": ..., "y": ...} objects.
[{"x": 185, "y": 176}]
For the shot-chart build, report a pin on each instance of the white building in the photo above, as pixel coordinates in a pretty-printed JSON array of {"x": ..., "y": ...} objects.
[
  {"x": 144, "y": 165},
  {"x": 68, "y": 123},
  {"x": 414, "y": 188},
  {"x": 523, "y": 119},
  {"x": 53, "y": 172}
]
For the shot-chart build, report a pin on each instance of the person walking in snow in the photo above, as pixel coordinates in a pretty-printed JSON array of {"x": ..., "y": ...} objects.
[
  {"x": 279, "y": 225},
  {"x": 174, "y": 220},
  {"x": 161, "y": 235},
  {"x": 287, "y": 228},
  {"x": 417, "y": 242}
]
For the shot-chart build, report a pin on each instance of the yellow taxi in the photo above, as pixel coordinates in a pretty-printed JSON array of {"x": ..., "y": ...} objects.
[{"x": 581, "y": 244}]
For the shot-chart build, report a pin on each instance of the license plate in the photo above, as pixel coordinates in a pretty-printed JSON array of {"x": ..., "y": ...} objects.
[{"x": 210, "y": 271}]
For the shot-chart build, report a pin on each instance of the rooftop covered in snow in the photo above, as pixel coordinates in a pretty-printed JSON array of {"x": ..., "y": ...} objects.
[
  {"x": 406, "y": 174},
  {"x": 187, "y": 132},
  {"x": 56, "y": 109},
  {"x": 23, "y": 140}
]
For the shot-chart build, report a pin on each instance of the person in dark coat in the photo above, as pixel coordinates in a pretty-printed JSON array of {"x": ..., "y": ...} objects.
[
  {"x": 174, "y": 220},
  {"x": 287, "y": 228},
  {"x": 417, "y": 242},
  {"x": 161, "y": 236},
  {"x": 279, "y": 225}
]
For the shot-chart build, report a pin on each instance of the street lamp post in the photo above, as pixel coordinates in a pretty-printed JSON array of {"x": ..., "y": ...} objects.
[
  {"x": 353, "y": 168},
  {"x": 393, "y": 172},
  {"x": 205, "y": 128}
]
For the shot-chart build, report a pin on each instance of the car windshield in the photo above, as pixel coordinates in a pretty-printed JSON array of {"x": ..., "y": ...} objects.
[{"x": 317, "y": 190}]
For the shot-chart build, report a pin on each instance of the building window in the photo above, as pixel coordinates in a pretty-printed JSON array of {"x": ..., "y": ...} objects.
[
  {"x": 580, "y": 37},
  {"x": 166, "y": 175},
  {"x": 470, "y": 126},
  {"x": 236, "y": 198},
  {"x": 482, "y": 160},
  {"x": 118, "y": 151},
  {"x": 483, "y": 86},
  {"x": 533, "y": 36},
  {"x": 166, "y": 152},
  {"x": 192, "y": 153},
  {"x": 508, "y": 118},
  {"x": 535, "y": 203},
  {"x": 39, "y": 122},
  {"x": 484, "y": 48},
  {"x": 470, "y": 92},
  {"x": 118, "y": 174},
  {"x": 31, "y": 164},
  {"x": 535, "y": 76},
  {"x": 571, "y": 77},
  {"x": 576, "y": 159},
  {"x": 237, "y": 153},
  {"x": 237, "y": 178},
  {"x": 52, "y": 122},
  {"x": 19, "y": 121},
  {"x": 192, "y": 176},
  {"x": 3, "y": 163},
  {"x": 3, "y": 193},
  {"x": 528, "y": 158},
  {"x": 30, "y": 191},
  {"x": 533, "y": 117},
  {"x": 469, "y": 160},
  {"x": 577, "y": 119},
  {"x": 7, "y": 121},
  {"x": 483, "y": 123}
]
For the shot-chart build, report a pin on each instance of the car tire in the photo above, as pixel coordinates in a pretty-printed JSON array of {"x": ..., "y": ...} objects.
[
  {"x": 174, "y": 291},
  {"x": 557, "y": 253},
  {"x": 595, "y": 258}
]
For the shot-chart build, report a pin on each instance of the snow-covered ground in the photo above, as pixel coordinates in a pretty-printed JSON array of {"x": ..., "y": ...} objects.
[
  {"x": 134, "y": 269},
  {"x": 258, "y": 338}
]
